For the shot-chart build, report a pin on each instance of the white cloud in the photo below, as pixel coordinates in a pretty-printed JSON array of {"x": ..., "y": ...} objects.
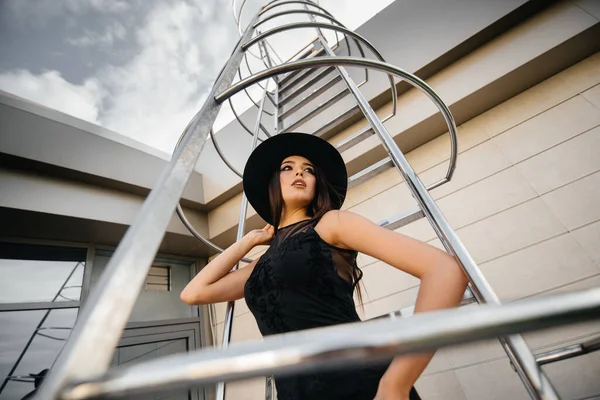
[
  {"x": 111, "y": 34},
  {"x": 51, "y": 90},
  {"x": 40, "y": 12},
  {"x": 181, "y": 47},
  {"x": 154, "y": 96}
]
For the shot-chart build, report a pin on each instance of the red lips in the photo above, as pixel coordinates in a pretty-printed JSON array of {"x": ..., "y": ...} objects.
[{"x": 299, "y": 180}]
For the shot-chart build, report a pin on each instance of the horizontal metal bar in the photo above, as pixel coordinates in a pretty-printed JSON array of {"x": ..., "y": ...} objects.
[
  {"x": 57, "y": 305},
  {"x": 559, "y": 354},
  {"x": 317, "y": 110},
  {"x": 300, "y": 75},
  {"x": 356, "y": 138},
  {"x": 287, "y": 12},
  {"x": 316, "y": 93},
  {"x": 467, "y": 299},
  {"x": 279, "y": 4},
  {"x": 369, "y": 172},
  {"x": 564, "y": 353},
  {"x": 306, "y": 85},
  {"x": 328, "y": 348},
  {"x": 402, "y": 219},
  {"x": 349, "y": 113}
]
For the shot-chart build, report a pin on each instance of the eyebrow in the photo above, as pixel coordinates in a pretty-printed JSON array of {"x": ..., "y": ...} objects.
[{"x": 293, "y": 162}]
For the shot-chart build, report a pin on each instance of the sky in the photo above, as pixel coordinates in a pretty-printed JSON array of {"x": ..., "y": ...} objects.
[{"x": 141, "y": 68}]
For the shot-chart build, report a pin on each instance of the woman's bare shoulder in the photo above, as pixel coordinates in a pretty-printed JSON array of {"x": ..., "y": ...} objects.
[{"x": 332, "y": 224}]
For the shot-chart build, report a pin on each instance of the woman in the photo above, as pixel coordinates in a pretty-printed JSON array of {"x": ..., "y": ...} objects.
[{"x": 307, "y": 277}]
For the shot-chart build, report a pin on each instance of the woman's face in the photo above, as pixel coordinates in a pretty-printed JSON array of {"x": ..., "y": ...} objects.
[{"x": 298, "y": 181}]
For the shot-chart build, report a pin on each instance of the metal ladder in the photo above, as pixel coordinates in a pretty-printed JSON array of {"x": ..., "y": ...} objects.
[{"x": 80, "y": 371}]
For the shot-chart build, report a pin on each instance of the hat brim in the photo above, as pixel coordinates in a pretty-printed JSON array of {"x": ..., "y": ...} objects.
[{"x": 267, "y": 157}]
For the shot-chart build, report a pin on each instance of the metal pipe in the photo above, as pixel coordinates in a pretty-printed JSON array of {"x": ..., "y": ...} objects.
[
  {"x": 237, "y": 117},
  {"x": 285, "y": 86},
  {"x": 228, "y": 323},
  {"x": 535, "y": 381},
  {"x": 318, "y": 14},
  {"x": 339, "y": 346},
  {"x": 306, "y": 85},
  {"x": 586, "y": 347},
  {"x": 186, "y": 222},
  {"x": 103, "y": 317},
  {"x": 271, "y": 6},
  {"x": 517, "y": 350},
  {"x": 413, "y": 80},
  {"x": 315, "y": 93},
  {"x": 559, "y": 354},
  {"x": 318, "y": 109},
  {"x": 223, "y": 158}
]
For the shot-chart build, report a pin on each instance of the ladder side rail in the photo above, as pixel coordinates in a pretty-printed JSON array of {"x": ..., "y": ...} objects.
[
  {"x": 534, "y": 379},
  {"x": 332, "y": 347},
  {"x": 228, "y": 323},
  {"x": 103, "y": 318}
]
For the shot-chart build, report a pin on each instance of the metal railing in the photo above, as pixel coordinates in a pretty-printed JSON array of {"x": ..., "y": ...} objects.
[{"x": 81, "y": 370}]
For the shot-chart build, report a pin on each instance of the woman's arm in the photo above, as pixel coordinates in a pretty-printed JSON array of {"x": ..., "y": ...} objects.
[
  {"x": 442, "y": 281},
  {"x": 215, "y": 282}
]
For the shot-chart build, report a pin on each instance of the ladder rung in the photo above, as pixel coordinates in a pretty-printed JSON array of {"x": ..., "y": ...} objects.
[
  {"x": 301, "y": 74},
  {"x": 468, "y": 298},
  {"x": 355, "y": 139},
  {"x": 317, "y": 110},
  {"x": 569, "y": 351},
  {"x": 370, "y": 172},
  {"x": 402, "y": 219},
  {"x": 292, "y": 74},
  {"x": 318, "y": 91},
  {"x": 349, "y": 113},
  {"x": 305, "y": 86}
]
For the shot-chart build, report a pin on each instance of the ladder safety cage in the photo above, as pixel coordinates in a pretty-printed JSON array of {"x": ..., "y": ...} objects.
[{"x": 80, "y": 371}]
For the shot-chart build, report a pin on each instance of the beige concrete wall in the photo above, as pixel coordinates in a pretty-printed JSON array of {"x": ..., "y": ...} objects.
[
  {"x": 468, "y": 76},
  {"x": 524, "y": 200}
]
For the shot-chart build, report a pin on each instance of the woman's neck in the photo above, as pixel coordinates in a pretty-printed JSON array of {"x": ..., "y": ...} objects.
[{"x": 293, "y": 217}]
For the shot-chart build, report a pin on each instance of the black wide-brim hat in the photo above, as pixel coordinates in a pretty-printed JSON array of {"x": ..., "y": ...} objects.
[{"x": 268, "y": 156}]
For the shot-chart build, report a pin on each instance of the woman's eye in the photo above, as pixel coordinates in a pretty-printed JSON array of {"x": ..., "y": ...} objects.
[
  {"x": 286, "y": 168},
  {"x": 310, "y": 170}
]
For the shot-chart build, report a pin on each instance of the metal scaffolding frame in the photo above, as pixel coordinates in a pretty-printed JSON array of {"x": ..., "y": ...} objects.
[{"x": 80, "y": 372}]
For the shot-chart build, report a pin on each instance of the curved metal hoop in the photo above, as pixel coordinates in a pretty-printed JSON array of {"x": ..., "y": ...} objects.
[
  {"x": 271, "y": 6},
  {"x": 315, "y": 13},
  {"x": 248, "y": 94},
  {"x": 322, "y": 15},
  {"x": 243, "y": 124},
  {"x": 218, "y": 148},
  {"x": 181, "y": 214},
  {"x": 198, "y": 236},
  {"x": 359, "y": 62},
  {"x": 317, "y": 25}
]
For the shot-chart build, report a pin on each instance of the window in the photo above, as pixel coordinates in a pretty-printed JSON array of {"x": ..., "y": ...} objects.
[
  {"x": 40, "y": 290},
  {"x": 159, "y": 278}
]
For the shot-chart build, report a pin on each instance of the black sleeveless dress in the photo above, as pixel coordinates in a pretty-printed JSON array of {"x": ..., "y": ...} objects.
[{"x": 302, "y": 282}]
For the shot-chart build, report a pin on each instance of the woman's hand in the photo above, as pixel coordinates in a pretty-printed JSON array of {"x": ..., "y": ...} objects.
[{"x": 258, "y": 237}]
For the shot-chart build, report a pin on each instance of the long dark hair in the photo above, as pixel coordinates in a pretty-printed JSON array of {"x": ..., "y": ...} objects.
[{"x": 320, "y": 205}]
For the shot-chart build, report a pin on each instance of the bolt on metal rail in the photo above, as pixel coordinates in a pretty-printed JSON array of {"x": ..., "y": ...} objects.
[{"x": 80, "y": 372}]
